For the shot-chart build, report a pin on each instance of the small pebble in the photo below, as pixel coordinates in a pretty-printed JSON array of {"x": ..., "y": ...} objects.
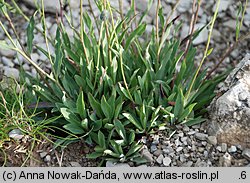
[
  {"x": 201, "y": 136},
  {"x": 160, "y": 159},
  {"x": 166, "y": 161},
  {"x": 232, "y": 149},
  {"x": 246, "y": 154},
  {"x": 223, "y": 147},
  {"x": 212, "y": 140}
]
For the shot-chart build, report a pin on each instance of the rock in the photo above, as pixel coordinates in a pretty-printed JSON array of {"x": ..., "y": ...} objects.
[
  {"x": 75, "y": 164},
  {"x": 203, "y": 36},
  {"x": 158, "y": 152},
  {"x": 226, "y": 160},
  {"x": 246, "y": 154},
  {"x": 232, "y": 149},
  {"x": 16, "y": 134},
  {"x": 47, "y": 158},
  {"x": 11, "y": 72},
  {"x": 212, "y": 140},
  {"x": 224, "y": 4},
  {"x": 7, "y": 53},
  {"x": 201, "y": 164},
  {"x": 160, "y": 159},
  {"x": 168, "y": 150},
  {"x": 201, "y": 136},
  {"x": 223, "y": 147},
  {"x": 230, "y": 24},
  {"x": 113, "y": 164},
  {"x": 147, "y": 155},
  {"x": 179, "y": 149},
  {"x": 43, "y": 154},
  {"x": 153, "y": 148},
  {"x": 184, "y": 6},
  {"x": 230, "y": 116},
  {"x": 188, "y": 164},
  {"x": 7, "y": 62},
  {"x": 219, "y": 148},
  {"x": 166, "y": 161},
  {"x": 49, "y": 6}
]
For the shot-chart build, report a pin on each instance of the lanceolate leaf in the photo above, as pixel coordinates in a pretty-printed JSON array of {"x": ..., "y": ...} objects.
[
  {"x": 30, "y": 33},
  {"x": 138, "y": 31},
  {"x": 96, "y": 106},
  {"x": 101, "y": 139},
  {"x": 133, "y": 120},
  {"x": 81, "y": 106},
  {"x": 70, "y": 117},
  {"x": 58, "y": 53},
  {"x": 120, "y": 129},
  {"x": 106, "y": 108}
]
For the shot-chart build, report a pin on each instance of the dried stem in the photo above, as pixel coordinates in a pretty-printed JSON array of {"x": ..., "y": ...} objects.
[
  {"x": 192, "y": 24},
  {"x": 206, "y": 49},
  {"x": 227, "y": 53}
]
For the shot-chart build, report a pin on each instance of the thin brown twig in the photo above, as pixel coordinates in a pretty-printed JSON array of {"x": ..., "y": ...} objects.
[
  {"x": 192, "y": 24},
  {"x": 61, "y": 11},
  {"x": 157, "y": 21},
  {"x": 168, "y": 18},
  {"x": 227, "y": 53}
]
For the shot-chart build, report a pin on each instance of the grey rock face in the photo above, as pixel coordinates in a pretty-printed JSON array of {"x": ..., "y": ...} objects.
[{"x": 230, "y": 113}]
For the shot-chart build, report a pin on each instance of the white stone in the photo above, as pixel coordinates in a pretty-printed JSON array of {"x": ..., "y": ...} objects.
[
  {"x": 160, "y": 159},
  {"x": 166, "y": 161},
  {"x": 16, "y": 134}
]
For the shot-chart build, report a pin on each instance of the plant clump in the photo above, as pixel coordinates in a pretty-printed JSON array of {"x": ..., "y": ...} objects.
[{"x": 111, "y": 88}]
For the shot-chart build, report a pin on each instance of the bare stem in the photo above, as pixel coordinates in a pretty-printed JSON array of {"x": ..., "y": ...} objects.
[
  {"x": 227, "y": 53},
  {"x": 192, "y": 24},
  {"x": 206, "y": 50}
]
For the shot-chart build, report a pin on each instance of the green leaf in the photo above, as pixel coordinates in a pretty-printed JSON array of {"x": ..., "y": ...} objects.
[
  {"x": 143, "y": 116},
  {"x": 101, "y": 140},
  {"x": 94, "y": 155},
  {"x": 58, "y": 53},
  {"x": 96, "y": 106},
  {"x": 73, "y": 128},
  {"x": 186, "y": 112},
  {"x": 124, "y": 91},
  {"x": 138, "y": 31},
  {"x": 116, "y": 147},
  {"x": 106, "y": 108},
  {"x": 85, "y": 124},
  {"x": 118, "y": 109},
  {"x": 30, "y": 33},
  {"x": 195, "y": 121},
  {"x": 135, "y": 147},
  {"x": 131, "y": 137},
  {"x": 209, "y": 51},
  {"x": 97, "y": 125},
  {"x": 111, "y": 153},
  {"x": 133, "y": 120},
  {"x": 179, "y": 105},
  {"x": 70, "y": 116},
  {"x": 120, "y": 129},
  {"x": 81, "y": 106}
]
